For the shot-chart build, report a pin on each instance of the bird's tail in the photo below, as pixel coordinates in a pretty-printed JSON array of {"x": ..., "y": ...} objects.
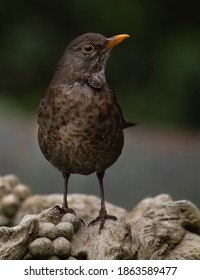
[{"x": 127, "y": 124}]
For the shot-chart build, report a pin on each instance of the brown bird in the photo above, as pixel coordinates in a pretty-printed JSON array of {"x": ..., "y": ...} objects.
[{"x": 80, "y": 122}]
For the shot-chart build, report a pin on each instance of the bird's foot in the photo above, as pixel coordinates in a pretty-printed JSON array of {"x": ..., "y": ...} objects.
[
  {"x": 63, "y": 210},
  {"x": 102, "y": 217}
]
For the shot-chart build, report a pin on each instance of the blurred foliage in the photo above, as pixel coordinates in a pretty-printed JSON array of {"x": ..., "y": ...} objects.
[{"x": 155, "y": 73}]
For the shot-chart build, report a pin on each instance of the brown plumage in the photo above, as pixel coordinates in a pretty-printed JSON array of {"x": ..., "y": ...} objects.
[{"x": 80, "y": 122}]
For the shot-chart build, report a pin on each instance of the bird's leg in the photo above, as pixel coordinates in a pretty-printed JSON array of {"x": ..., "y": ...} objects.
[
  {"x": 66, "y": 179},
  {"x": 65, "y": 208},
  {"x": 102, "y": 213}
]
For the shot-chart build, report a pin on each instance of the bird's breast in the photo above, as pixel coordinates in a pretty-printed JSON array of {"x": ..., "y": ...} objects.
[{"x": 83, "y": 129}]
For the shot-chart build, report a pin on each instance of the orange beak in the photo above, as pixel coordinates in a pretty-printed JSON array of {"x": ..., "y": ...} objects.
[{"x": 115, "y": 40}]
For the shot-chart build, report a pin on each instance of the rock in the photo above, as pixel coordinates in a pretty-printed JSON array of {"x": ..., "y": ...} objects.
[
  {"x": 5, "y": 188},
  {"x": 12, "y": 193},
  {"x": 51, "y": 215},
  {"x": 35, "y": 204},
  {"x": 28, "y": 218},
  {"x": 65, "y": 229},
  {"x": 188, "y": 249},
  {"x": 147, "y": 204},
  {"x": 21, "y": 191},
  {"x": 85, "y": 206},
  {"x": 4, "y": 221},
  {"x": 14, "y": 241},
  {"x": 28, "y": 257},
  {"x": 162, "y": 225},
  {"x": 73, "y": 219},
  {"x": 11, "y": 179},
  {"x": 61, "y": 247},
  {"x": 48, "y": 230},
  {"x": 41, "y": 248},
  {"x": 114, "y": 242},
  {"x": 157, "y": 228},
  {"x": 10, "y": 205},
  {"x": 72, "y": 259},
  {"x": 54, "y": 258}
]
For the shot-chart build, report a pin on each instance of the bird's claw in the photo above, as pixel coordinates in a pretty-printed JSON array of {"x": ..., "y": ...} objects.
[
  {"x": 64, "y": 210},
  {"x": 102, "y": 217}
]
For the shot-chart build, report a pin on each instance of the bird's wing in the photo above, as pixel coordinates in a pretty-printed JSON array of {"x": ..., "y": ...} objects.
[{"x": 125, "y": 124}]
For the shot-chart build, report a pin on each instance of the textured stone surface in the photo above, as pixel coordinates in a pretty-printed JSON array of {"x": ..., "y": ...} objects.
[
  {"x": 22, "y": 191},
  {"x": 48, "y": 230},
  {"x": 41, "y": 248},
  {"x": 14, "y": 241},
  {"x": 10, "y": 205},
  {"x": 163, "y": 225},
  {"x": 11, "y": 179},
  {"x": 157, "y": 228},
  {"x": 85, "y": 206},
  {"x": 66, "y": 229},
  {"x": 61, "y": 247},
  {"x": 71, "y": 218},
  {"x": 12, "y": 195},
  {"x": 114, "y": 242}
]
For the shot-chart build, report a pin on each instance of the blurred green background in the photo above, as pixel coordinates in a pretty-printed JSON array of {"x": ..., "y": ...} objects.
[
  {"x": 155, "y": 74},
  {"x": 157, "y": 68}
]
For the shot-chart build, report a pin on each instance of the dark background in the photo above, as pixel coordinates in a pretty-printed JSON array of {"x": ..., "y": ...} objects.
[{"x": 155, "y": 74}]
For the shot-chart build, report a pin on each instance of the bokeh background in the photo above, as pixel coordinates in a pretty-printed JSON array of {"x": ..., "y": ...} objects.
[{"x": 155, "y": 74}]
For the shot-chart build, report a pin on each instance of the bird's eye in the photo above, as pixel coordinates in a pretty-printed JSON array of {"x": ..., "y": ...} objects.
[{"x": 88, "y": 48}]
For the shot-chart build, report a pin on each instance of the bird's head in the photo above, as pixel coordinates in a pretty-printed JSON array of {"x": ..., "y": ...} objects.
[{"x": 86, "y": 57}]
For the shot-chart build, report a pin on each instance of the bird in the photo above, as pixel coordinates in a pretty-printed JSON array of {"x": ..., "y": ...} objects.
[{"x": 80, "y": 121}]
